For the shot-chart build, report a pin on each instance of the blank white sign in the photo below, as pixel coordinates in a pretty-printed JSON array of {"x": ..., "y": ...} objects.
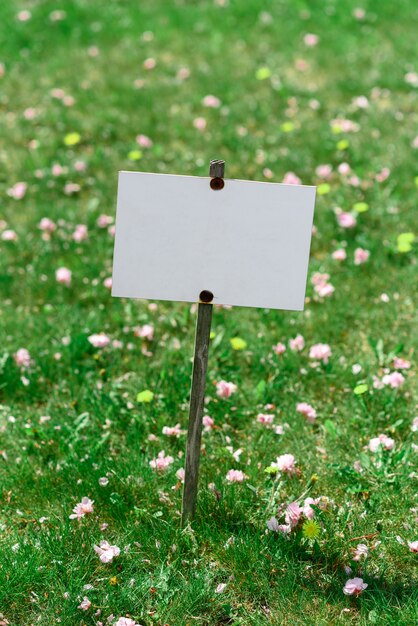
[{"x": 248, "y": 243}]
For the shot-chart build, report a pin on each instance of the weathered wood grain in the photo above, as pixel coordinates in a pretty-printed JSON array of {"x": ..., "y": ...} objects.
[{"x": 194, "y": 433}]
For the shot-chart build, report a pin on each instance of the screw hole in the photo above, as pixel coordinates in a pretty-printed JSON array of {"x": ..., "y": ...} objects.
[
  {"x": 217, "y": 183},
  {"x": 206, "y": 296}
]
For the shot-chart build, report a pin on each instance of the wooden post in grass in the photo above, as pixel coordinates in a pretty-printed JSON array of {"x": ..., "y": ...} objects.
[{"x": 200, "y": 365}]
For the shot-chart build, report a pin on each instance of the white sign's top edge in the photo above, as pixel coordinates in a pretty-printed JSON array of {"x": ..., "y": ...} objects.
[{"x": 238, "y": 180}]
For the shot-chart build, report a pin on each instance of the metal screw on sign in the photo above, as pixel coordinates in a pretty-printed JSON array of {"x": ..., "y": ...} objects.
[{"x": 217, "y": 173}]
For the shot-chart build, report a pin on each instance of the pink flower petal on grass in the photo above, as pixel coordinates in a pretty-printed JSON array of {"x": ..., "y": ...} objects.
[{"x": 354, "y": 586}]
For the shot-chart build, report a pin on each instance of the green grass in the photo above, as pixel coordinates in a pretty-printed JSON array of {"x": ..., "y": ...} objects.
[{"x": 168, "y": 576}]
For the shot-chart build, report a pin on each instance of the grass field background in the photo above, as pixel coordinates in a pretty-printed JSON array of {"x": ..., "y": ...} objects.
[{"x": 321, "y": 91}]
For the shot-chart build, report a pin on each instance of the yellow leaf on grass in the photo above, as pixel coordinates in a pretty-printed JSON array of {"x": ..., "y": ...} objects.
[
  {"x": 406, "y": 237},
  {"x": 135, "y": 155},
  {"x": 360, "y": 389},
  {"x": 323, "y": 189},
  {"x": 145, "y": 396},
  {"x": 343, "y": 144},
  {"x": 238, "y": 344},
  {"x": 72, "y": 139},
  {"x": 262, "y": 73},
  {"x": 287, "y": 127},
  {"x": 404, "y": 242},
  {"x": 361, "y": 207}
]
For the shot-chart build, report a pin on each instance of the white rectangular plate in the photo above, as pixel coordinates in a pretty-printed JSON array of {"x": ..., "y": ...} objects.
[{"x": 248, "y": 243}]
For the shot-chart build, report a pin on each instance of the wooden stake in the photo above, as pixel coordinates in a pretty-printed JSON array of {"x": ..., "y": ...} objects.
[
  {"x": 200, "y": 365},
  {"x": 194, "y": 433}
]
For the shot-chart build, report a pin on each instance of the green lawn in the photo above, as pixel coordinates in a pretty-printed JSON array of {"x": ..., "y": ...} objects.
[{"x": 81, "y": 81}]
